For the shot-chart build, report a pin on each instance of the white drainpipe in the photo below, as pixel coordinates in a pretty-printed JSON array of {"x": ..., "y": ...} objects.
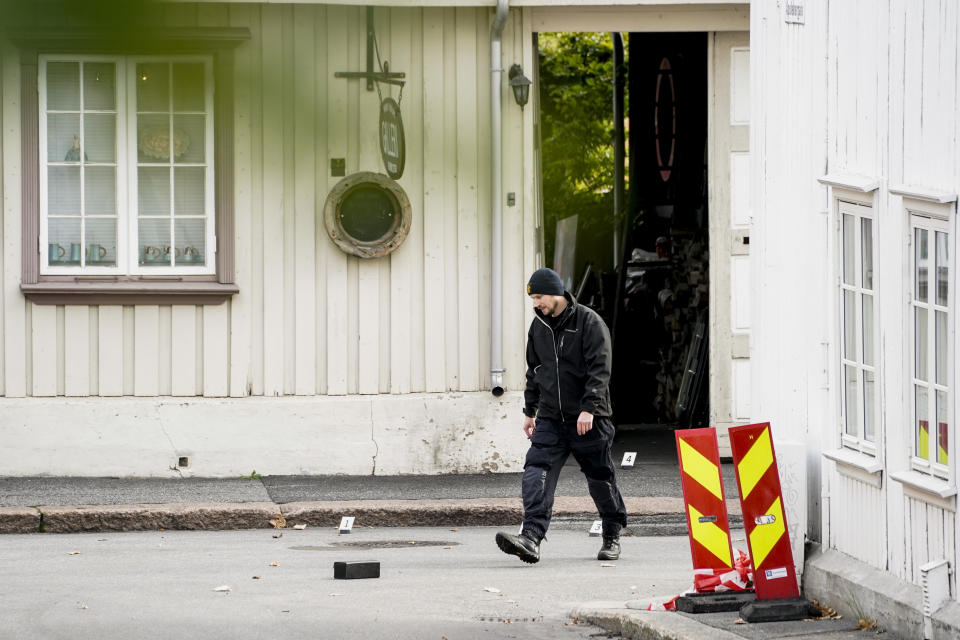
[{"x": 496, "y": 196}]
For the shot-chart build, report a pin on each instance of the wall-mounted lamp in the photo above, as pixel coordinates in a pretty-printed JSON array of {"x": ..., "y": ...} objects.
[{"x": 520, "y": 85}]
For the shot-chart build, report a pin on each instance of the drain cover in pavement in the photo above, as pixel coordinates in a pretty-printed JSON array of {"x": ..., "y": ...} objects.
[{"x": 377, "y": 544}]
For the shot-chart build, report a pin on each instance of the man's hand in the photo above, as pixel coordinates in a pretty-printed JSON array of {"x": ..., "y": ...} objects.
[
  {"x": 584, "y": 423},
  {"x": 529, "y": 424}
]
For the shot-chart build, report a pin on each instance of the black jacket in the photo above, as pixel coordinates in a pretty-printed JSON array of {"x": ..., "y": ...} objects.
[{"x": 568, "y": 366}]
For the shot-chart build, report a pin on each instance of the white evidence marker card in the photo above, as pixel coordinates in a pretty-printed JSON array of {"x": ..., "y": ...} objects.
[
  {"x": 597, "y": 528},
  {"x": 346, "y": 524},
  {"x": 629, "y": 457}
]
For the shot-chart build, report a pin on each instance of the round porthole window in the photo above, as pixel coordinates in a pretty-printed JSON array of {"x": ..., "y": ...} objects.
[{"x": 367, "y": 214}]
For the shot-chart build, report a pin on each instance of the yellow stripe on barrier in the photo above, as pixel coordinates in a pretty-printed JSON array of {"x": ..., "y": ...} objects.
[
  {"x": 700, "y": 469},
  {"x": 765, "y": 536},
  {"x": 713, "y": 538},
  {"x": 755, "y": 464}
]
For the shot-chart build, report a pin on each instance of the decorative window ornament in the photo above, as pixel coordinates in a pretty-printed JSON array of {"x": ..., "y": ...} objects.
[{"x": 367, "y": 214}]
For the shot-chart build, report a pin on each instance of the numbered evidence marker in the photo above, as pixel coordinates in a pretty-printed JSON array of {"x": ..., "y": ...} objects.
[
  {"x": 597, "y": 528},
  {"x": 628, "y": 459},
  {"x": 346, "y": 524}
]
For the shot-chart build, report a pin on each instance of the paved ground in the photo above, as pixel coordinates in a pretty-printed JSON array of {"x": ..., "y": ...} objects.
[
  {"x": 435, "y": 583},
  {"x": 159, "y": 582}
]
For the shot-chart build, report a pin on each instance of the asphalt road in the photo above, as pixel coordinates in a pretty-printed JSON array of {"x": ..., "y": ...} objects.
[{"x": 435, "y": 583}]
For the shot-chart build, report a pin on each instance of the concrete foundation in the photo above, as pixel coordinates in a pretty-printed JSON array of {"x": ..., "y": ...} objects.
[
  {"x": 856, "y": 590},
  {"x": 230, "y": 437}
]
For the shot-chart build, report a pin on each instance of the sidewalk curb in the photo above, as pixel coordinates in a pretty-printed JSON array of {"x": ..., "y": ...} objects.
[
  {"x": 257, "y": 515},
  {"x": 646, "y": 625}
]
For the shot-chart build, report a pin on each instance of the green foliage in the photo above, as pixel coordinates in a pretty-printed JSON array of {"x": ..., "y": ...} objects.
[
  {"x": 253, "y": 476},
  {"x": 577, "y": 135}
]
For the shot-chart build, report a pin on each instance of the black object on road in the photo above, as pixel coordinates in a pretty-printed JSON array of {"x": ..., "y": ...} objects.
[{"x": 355, "y": 570}]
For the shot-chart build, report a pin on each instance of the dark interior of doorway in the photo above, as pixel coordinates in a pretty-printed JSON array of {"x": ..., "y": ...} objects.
[{"x": 646, "y": 270}]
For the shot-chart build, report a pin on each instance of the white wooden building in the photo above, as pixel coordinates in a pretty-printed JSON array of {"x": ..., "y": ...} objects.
[{"x": 833, "y": 171}]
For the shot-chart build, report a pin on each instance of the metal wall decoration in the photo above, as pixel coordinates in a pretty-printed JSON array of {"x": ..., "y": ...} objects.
[
  {"x": 665, "y": 120},
  {"x": 392, "y": 141},
  {"x": 367, "y": 214}
]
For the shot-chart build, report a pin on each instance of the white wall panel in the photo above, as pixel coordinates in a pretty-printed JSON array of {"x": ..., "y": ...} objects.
[
  {"x": 76, "y": 347},
  {"x": 741, "y": 389},
  {"x": 740, "y": 85},
  {"x": 741, "y": 296},
  {"x": 741, "y": 215}
]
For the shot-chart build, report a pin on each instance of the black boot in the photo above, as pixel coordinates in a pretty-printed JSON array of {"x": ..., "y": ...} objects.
[
  {"x": 526, "y": 546},
  {"x": 610, "y": 549}
]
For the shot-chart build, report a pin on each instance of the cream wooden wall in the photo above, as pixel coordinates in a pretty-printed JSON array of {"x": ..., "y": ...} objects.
[{"x": 309, "y": 319}]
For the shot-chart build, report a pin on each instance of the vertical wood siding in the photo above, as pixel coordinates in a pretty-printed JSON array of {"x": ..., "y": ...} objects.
[
  {"x": 858, "y": 520},
  {"x": 309, "y": 319}
]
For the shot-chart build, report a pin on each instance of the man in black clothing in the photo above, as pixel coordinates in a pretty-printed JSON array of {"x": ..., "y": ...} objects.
[{"x": 566, "y": 410}]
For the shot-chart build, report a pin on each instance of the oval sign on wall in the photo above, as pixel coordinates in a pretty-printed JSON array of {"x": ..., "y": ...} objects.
[{"x": 392, "y": 142}]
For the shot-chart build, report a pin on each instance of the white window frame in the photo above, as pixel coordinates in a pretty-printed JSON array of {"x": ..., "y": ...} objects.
[
  {"x": 121, "y": 163},
  {"x": 934, "y": 218},
  {"x": 127, "y": 166},
  {"x": 858, "y": 441}
]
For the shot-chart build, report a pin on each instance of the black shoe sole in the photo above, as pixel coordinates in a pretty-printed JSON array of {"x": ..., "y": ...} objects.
[
  {"x": 513, "y": 549},
  {"x": 610, "y": 559}
]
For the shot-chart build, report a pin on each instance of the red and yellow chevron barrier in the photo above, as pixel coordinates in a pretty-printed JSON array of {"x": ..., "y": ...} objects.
[
  {"x": 709, "y": 529},
  {"x": 764, "y": 520}
]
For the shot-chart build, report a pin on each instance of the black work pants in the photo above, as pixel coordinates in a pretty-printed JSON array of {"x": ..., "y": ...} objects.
[{"x": 551, "y": 444}]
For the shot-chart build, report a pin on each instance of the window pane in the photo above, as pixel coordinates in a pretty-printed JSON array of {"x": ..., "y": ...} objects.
[
  {"x": 154, "y": 248},
  {"x": 942, "y": 346},
  {"x": 190, "y": 242},
  {"x": 922, "y": 443},
  {"x": 153, "y": 86},
  {"x": 63, "y": 191},
  {"x": 943, "y": 450},
  {"x": 922, "y": 258},
  {"x": 869, "y": 400},
  {"x": 867, "y": 301},
  {"x": 189, "y": 191},
  {"x": 153, "y": 138},
  {"x": 63, "y": 86},
  {"x": 188, "y": 88},
  {"x": 850, "y": 390},
  {"x": 100, "y": 137},
  {"x": 101, "y": 237},
  {"x": 849, "y": 249},
  {"x": 64, "y": 235},
  {"x": 99, "y": 86},
  {"x": 63, "y": 137},
  {"x": 153, "y": 190},
  {"x": 920, "y": 346},
  {"x": 849, "y": 325},
  {"x": 943, "y": 265},
  {"x": 188, "y": 138},
  {"x": 100, "y": 193},
  {"x": 866, "y": 237}
]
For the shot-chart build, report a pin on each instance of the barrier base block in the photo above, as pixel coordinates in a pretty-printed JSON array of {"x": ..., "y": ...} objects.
[
  {"x": 778, "y": 610},
  {"x": 355, "y": 570},
  {"x": 714, "y": 602}
]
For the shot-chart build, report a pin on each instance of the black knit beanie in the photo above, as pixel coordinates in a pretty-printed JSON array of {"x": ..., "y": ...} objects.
[{"x": 545, "y": 282}]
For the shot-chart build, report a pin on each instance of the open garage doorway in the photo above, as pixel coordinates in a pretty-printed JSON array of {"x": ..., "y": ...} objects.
[{"x": 639, "y": 256}]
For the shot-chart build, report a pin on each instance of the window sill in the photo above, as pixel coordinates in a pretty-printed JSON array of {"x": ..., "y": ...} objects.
[
  {"x": 926, "y": 488},
  {"x": 859, "y": 466},
  {"x": 128, "y": 292},
  {"x": 851, "y": 182}
]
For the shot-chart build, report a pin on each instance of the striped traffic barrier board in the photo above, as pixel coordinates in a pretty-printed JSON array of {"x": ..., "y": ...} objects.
[
  {"x": 761, "y": 499},
  {"x": 707, "y": 524}
]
